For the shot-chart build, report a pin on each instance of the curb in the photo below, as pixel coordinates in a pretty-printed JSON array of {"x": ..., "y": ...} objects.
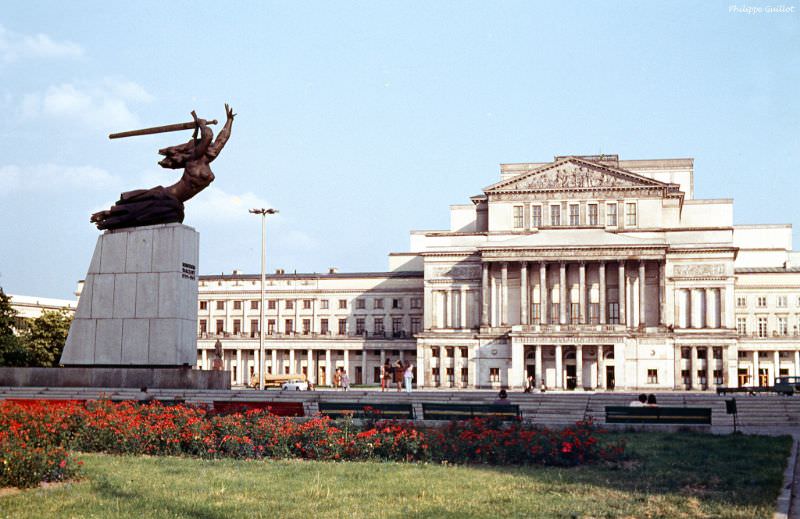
[{"x": 785, "y": 497}]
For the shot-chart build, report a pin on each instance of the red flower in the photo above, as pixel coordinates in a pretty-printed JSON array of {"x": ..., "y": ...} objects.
[{"x": 566, "y": 447}]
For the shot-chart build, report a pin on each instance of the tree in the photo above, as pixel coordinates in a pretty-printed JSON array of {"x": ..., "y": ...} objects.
[
  {"x": 12, "y": 352},
  {"x": 43, "y": 338}
]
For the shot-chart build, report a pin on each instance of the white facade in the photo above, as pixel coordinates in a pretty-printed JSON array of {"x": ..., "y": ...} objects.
[{"x": 584, "y": 272}]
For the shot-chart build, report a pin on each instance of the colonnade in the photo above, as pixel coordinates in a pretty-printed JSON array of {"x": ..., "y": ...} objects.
[
  {"x": 700, "y": 307},
  {"x": 596, "y": 351}
]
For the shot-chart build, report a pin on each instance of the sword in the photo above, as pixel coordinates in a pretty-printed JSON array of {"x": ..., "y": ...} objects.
[{"x": 159, "y": 129}]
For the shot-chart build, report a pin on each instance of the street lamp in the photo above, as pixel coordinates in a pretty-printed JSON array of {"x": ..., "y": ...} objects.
[{"x": 263, "y": 212}]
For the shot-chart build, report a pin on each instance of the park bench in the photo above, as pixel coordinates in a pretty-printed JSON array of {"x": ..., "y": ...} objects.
[
  {"x": 276, "y": 408},
  {"x": 659, "y": 415},
  {"x": 365, "y": 410},
  {"x": 439, "y": 411}
]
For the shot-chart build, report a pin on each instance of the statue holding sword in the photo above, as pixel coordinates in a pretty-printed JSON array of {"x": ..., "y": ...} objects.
[{"x": 165, "y": 204}]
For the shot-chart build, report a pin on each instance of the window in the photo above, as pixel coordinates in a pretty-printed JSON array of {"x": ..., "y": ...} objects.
[
  {"x": 741, "y": 302},
  {"x": 686, "y": 353},
  {"x": 271, "y": 323},
  {"x": 782, "y": 302},
  {"x": 360, "y": 326},
  {"x": 463, "y": 352},
  {"x": 718, "y": 377},
  {"x": 360, "y": 304},
  {"x": 574, "y": 215},
  {"x": 254, "y": 305},
  {"x": 220, "y": 326},
  {"x": 378, "y": 324},
  {"x": 611, "y": 215},
  {"x": 762, "y": 326},
  {"x": 574, "y": 313},
  {"x": 342, "y": 304},
  {"x": 536, "y": 313},
  {"x": 306, "y": 326},
  {"x": 342, "y": 326},
  {"x": 416, "y": 303},
  {"x": 783, "y": 326},
  {"x": 761, "y": 302},
  {"x": 203, "y": 305},
  {"x": 613, "y": 313},
  {"x": 237, "y": 326},
  {"x": 449, "y": 352},
  {"x": 652, "y": 376},
  {"x": 494, "y": 374},
  {"x": 518, "y": 217},
  {"x": 536, "y": 216},
  {"x": 324, "y": 304},
  {"x": 592, "y": 214},
  {"x": 272, "y": 304},
  {"x": 323, "y": 326},
  {"x": 554, "y": 313},
  {"x": 237, "y": 305},
  {"x": 717, "y": 353},
  {"x": 555, "y": 215},
  {"x": 397, "y": 326},
  {"x": 416, "y": 325},
  {"x": 289, "y": 304},
  {"x": 594, "y": 313},
  {"x": 464, "y": 375},
  {"x": 397, "y": 303},
  {"x": 741, "y": 325},
  {"x": 686, "y": 376},
  {"x": 289, "y": 328},
  {"x": 254, "y": 330},
  {"x": 435, "y": 375},
  {"x": 220, "y": 305},
  {"x": 630, "y": 214},
  {"x": 377, "y": 304},
  {"x": 203, "y": 326},
  {"x": 435, "y": 352},
  {"x": 306, "y": 304},
  {"x": 450, "y": 375}
]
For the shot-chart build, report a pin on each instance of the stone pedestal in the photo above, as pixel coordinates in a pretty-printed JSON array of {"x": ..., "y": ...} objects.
[{"x": 139, "y": 301}]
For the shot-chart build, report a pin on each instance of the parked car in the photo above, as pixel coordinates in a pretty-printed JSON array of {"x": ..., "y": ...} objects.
[
  {"x": 787, "y": 385},
  {"x": 296, "y": 385}
]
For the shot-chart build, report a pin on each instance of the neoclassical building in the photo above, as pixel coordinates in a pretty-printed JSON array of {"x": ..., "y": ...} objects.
[{"x": 587, "y": 272}]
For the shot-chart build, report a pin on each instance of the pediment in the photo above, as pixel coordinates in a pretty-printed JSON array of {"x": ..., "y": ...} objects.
[{"x": 575, "y": 174}]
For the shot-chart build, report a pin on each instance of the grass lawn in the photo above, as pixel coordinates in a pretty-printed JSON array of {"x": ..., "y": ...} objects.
[{"x": 678, "y": 475}]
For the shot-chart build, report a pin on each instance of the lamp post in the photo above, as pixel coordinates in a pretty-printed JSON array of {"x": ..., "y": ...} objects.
[{"x": 263, "y": 212}]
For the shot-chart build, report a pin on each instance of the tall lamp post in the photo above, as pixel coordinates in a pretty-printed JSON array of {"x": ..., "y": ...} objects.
[{"x": 263, "y": 212}]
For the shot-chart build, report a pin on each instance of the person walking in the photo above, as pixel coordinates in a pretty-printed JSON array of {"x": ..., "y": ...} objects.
[
  {"x": 408, "y": 376},
  {"x": 386, "y": 375},
  {"x": 345, "y": 380},
  {"x": 399, "y": 371}
]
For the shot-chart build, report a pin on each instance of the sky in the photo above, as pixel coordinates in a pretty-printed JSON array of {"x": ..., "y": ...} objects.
[{"x": 362, "y": 121}]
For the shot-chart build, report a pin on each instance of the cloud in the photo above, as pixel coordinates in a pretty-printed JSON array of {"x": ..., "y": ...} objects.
[
  {"x": 104, "y": 104},
  {"x": 15, "y": 46},
  {"x": 214, "y": 204},
  {"x": 52, "y": 177}
]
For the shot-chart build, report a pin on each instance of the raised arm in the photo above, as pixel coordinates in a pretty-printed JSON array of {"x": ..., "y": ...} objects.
[{"x": 223, "y": 135}]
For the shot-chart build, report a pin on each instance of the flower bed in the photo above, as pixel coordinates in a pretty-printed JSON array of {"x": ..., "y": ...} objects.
[{"x": 36, "y": 436}]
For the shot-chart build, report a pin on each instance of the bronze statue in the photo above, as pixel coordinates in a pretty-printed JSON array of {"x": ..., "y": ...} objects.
[{"x": 165, "y": 204}]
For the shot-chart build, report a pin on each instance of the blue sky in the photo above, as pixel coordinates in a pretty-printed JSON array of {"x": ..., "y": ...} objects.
[{"x": 361, "y": 121}]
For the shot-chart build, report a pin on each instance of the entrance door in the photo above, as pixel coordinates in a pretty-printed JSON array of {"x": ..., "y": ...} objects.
[
  {"x": 359, "y": 376},
  {"x": 610, "y": 380},
  {"x": 572, "y": 379},
  {"x": 763, "y": 377},
  {"x": 321, "y": 377},
  {"x": 744, "y": 377}
]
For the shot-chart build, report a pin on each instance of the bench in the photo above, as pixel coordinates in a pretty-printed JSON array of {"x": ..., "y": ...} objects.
[
  {"x": 364, "y": 410},
  {"x": 659, "y": 415},
  {"x": 436, "y": 411},
  {"x": 276, "y": 408}
]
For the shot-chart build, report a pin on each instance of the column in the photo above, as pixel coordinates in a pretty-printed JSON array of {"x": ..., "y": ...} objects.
[
  {"x": 515, "y": 380},
  {"x": 292, "y": 363},
  {"x": 538, "y": 371},
  {"x": 401, "y": 356},
  {"x": 582, "y": 290},
  {"x": 693, "y": 369},
  {"x": 602, "y": 300},
  {"x": 256, "y": 359},
  {"x": 365, "y": 375},
  {"x": 642, "y": 295},
  {"x": 347, "y": 364},
  {"x": 601, "y": 372},
  {"x": 678, "y": 360},
  {"x": 559, "y": 368},
  {"x": 383, "y": 357},
  {"x": 710, "y": 308},
  {"x": 725, "y": 367},
  {"x": 622, "y": 311},
  {"x": 328, "y": 370},
  {"x": 311, "y": 374},
  {"x": 697, "y": 308},
  {"x": 797, "y": 363},
  {"x": 457, "y": 367},
  {"x": 562, "y": 293},
  {"x": 543, "y": 303},
  {"x": 579, "y": 366},
  {"x": 709, "y": 366},
  {"x": 485, "y": 294},
  {"x": 448, "y": 307},
  {"x": 275, "y": 362},
  {"x": 523, "y": 293},
  {"x": 239, "y": 368},
  {"x": 756, "y": 380},
  {"x": 463, "y": 308},
  {"x": 504, "y": 293},
  {"x": 662, "y": 293},
  {"x": 722, "y": 317},
  {"x": 204, "y": 359},
  {"x": 776, "y": 365}
]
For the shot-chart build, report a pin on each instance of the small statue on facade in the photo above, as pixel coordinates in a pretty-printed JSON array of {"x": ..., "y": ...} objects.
[
  {"x": 165, "y": 204},
  {"x": 217, "y": 364}
]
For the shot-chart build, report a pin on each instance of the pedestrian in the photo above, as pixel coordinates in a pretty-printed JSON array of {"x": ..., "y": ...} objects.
[
  {"x": 502, "y": 398},
  {"x": 337, "y": 378},
  {"x": 399, "y": 372},
  {"x": 386, "y": 380},
  {"x": 640, "y": 402},
  {"x": 651, "y": 400},
  {"x": 345, "y": 378},
  {"x": 529, "y": 386},
  {"x": 408, "y": 375}
]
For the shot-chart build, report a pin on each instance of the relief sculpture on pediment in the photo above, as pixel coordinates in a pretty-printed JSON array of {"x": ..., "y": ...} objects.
[
  {"x": 571, "y": 177},
  {"x": 454, "y": 272},
  {"x": 698, "y": 270}
]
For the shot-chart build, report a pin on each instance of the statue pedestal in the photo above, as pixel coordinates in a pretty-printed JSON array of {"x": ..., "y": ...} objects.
[{"x": 139, "y": 301}]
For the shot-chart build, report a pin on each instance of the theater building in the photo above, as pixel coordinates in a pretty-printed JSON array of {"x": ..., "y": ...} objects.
[{"x": 581, "y": 273}]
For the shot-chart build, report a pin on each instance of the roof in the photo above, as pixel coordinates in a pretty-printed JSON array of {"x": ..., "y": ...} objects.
[
  {"x": 314, "y": 275},
  {"x": 574, "y": 238}
]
